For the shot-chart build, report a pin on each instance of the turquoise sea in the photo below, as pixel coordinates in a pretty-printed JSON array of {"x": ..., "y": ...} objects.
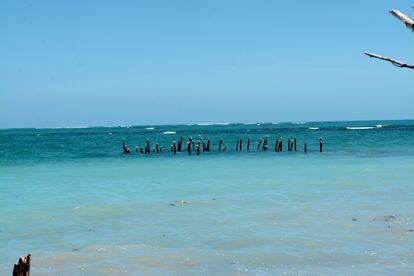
[{"x": 72, "y": 199}]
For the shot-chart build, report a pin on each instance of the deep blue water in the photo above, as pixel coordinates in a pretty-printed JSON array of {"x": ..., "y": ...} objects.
[{"x": 362, "y": 138}]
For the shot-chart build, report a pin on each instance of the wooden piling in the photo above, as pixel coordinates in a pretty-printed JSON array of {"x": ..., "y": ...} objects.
[
  {"x": 320, "y": 144},
  {"x": 237, "y": 146},
  {"x": 281, "y": 144},
  {"x": 260, "y": 142},
  {"x": 198, "y": 148},
  {"x": 241, "y": 144},
  {"x": 221, "y": 142},
  {"x": 180, "y": 144},
  {"x": 208, "y": 144},
  {"x": 123, "y": 145},
  {"x": 265, "y": 144},
  {"x": 306, "y": 147},
  {"x": 22, "y": 268},
  {"x": 174, "y": 148},
  {"x": 189, "y": 148},
  {"x": 277, "y": 144},
  {"x": 248, "y": 144},
  {"x": 294, "y": 143},
  {"x": 224, "y": 149},
  {"x": 157, "y": 148},
  {"x": 148, "y": 147}
]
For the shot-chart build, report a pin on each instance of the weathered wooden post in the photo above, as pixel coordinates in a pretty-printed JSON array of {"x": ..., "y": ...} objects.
[
  {"x": 277, "y": 144},
  {"x": 221, "y": 142},
  {"x": 198, "y": 148},
  {"x": 306, "y": 147},
  {"x": 320, "y": 144},
  {"x": 189, "y": 148},
  {"x": 174, "y": 148},
  {"x": 123, "y": 145},
  {"x": 265, "y": 144},
  {"x": 260, "y": 142},
  {"x": 22, "y": 268},
  {"x": 295, "y": 143},
  {"x": 224, "y": 149},
  {"x": 248, "y": 144},
  {"x": 208, "y": 144},
  {"x": 237, "y": 146},
  {"x": 281, "y": 144},
  {"x": 171, "y": 148},
  {"x": 141, "y": 150},
  {"x": 148, "y": 147},
  {"x": 180, "y": 143},
  {"x": 157, "y": 148},
  {"x": 241, "y": 144},
  {"x": 136, "y": 149}
]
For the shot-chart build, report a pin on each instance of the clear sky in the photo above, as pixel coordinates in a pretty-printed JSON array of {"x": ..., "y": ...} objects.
[{"x": 102, "y": 63}]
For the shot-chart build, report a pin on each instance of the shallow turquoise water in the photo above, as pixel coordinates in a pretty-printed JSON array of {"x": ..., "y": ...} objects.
[{"x": 80, "y": 206}]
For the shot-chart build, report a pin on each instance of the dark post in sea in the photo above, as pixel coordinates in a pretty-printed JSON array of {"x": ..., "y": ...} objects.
[{"x": 320, "y": 144}]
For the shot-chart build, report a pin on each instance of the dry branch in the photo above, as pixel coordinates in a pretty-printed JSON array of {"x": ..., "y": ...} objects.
[
  {"x": 394, "y": 62},
  {"x": 404, "y": 18}
]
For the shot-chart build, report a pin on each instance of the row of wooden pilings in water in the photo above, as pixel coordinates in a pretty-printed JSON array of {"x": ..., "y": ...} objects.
[{"x": 205, "y": 146}]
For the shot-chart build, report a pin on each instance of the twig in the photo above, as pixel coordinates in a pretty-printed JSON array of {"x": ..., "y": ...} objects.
[
  {"x": 394, "y": 62},
  {"x": 404, "y": 18}
]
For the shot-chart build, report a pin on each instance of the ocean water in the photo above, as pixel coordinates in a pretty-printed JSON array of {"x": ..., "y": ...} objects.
[{"x": 72, "y": 199}]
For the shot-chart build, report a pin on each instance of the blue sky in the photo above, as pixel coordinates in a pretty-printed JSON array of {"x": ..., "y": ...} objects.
[{"x": 77, "y": 63}]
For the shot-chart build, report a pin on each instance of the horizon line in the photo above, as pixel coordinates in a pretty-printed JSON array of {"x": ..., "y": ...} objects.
[{"x": 203, "y": 124}]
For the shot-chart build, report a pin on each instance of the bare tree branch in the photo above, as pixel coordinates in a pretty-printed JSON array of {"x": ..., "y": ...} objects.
[
  {"x": 409, "y": 23},
  {"x": 404, "y": 18},
  {"x": 394, "y": 62}
]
